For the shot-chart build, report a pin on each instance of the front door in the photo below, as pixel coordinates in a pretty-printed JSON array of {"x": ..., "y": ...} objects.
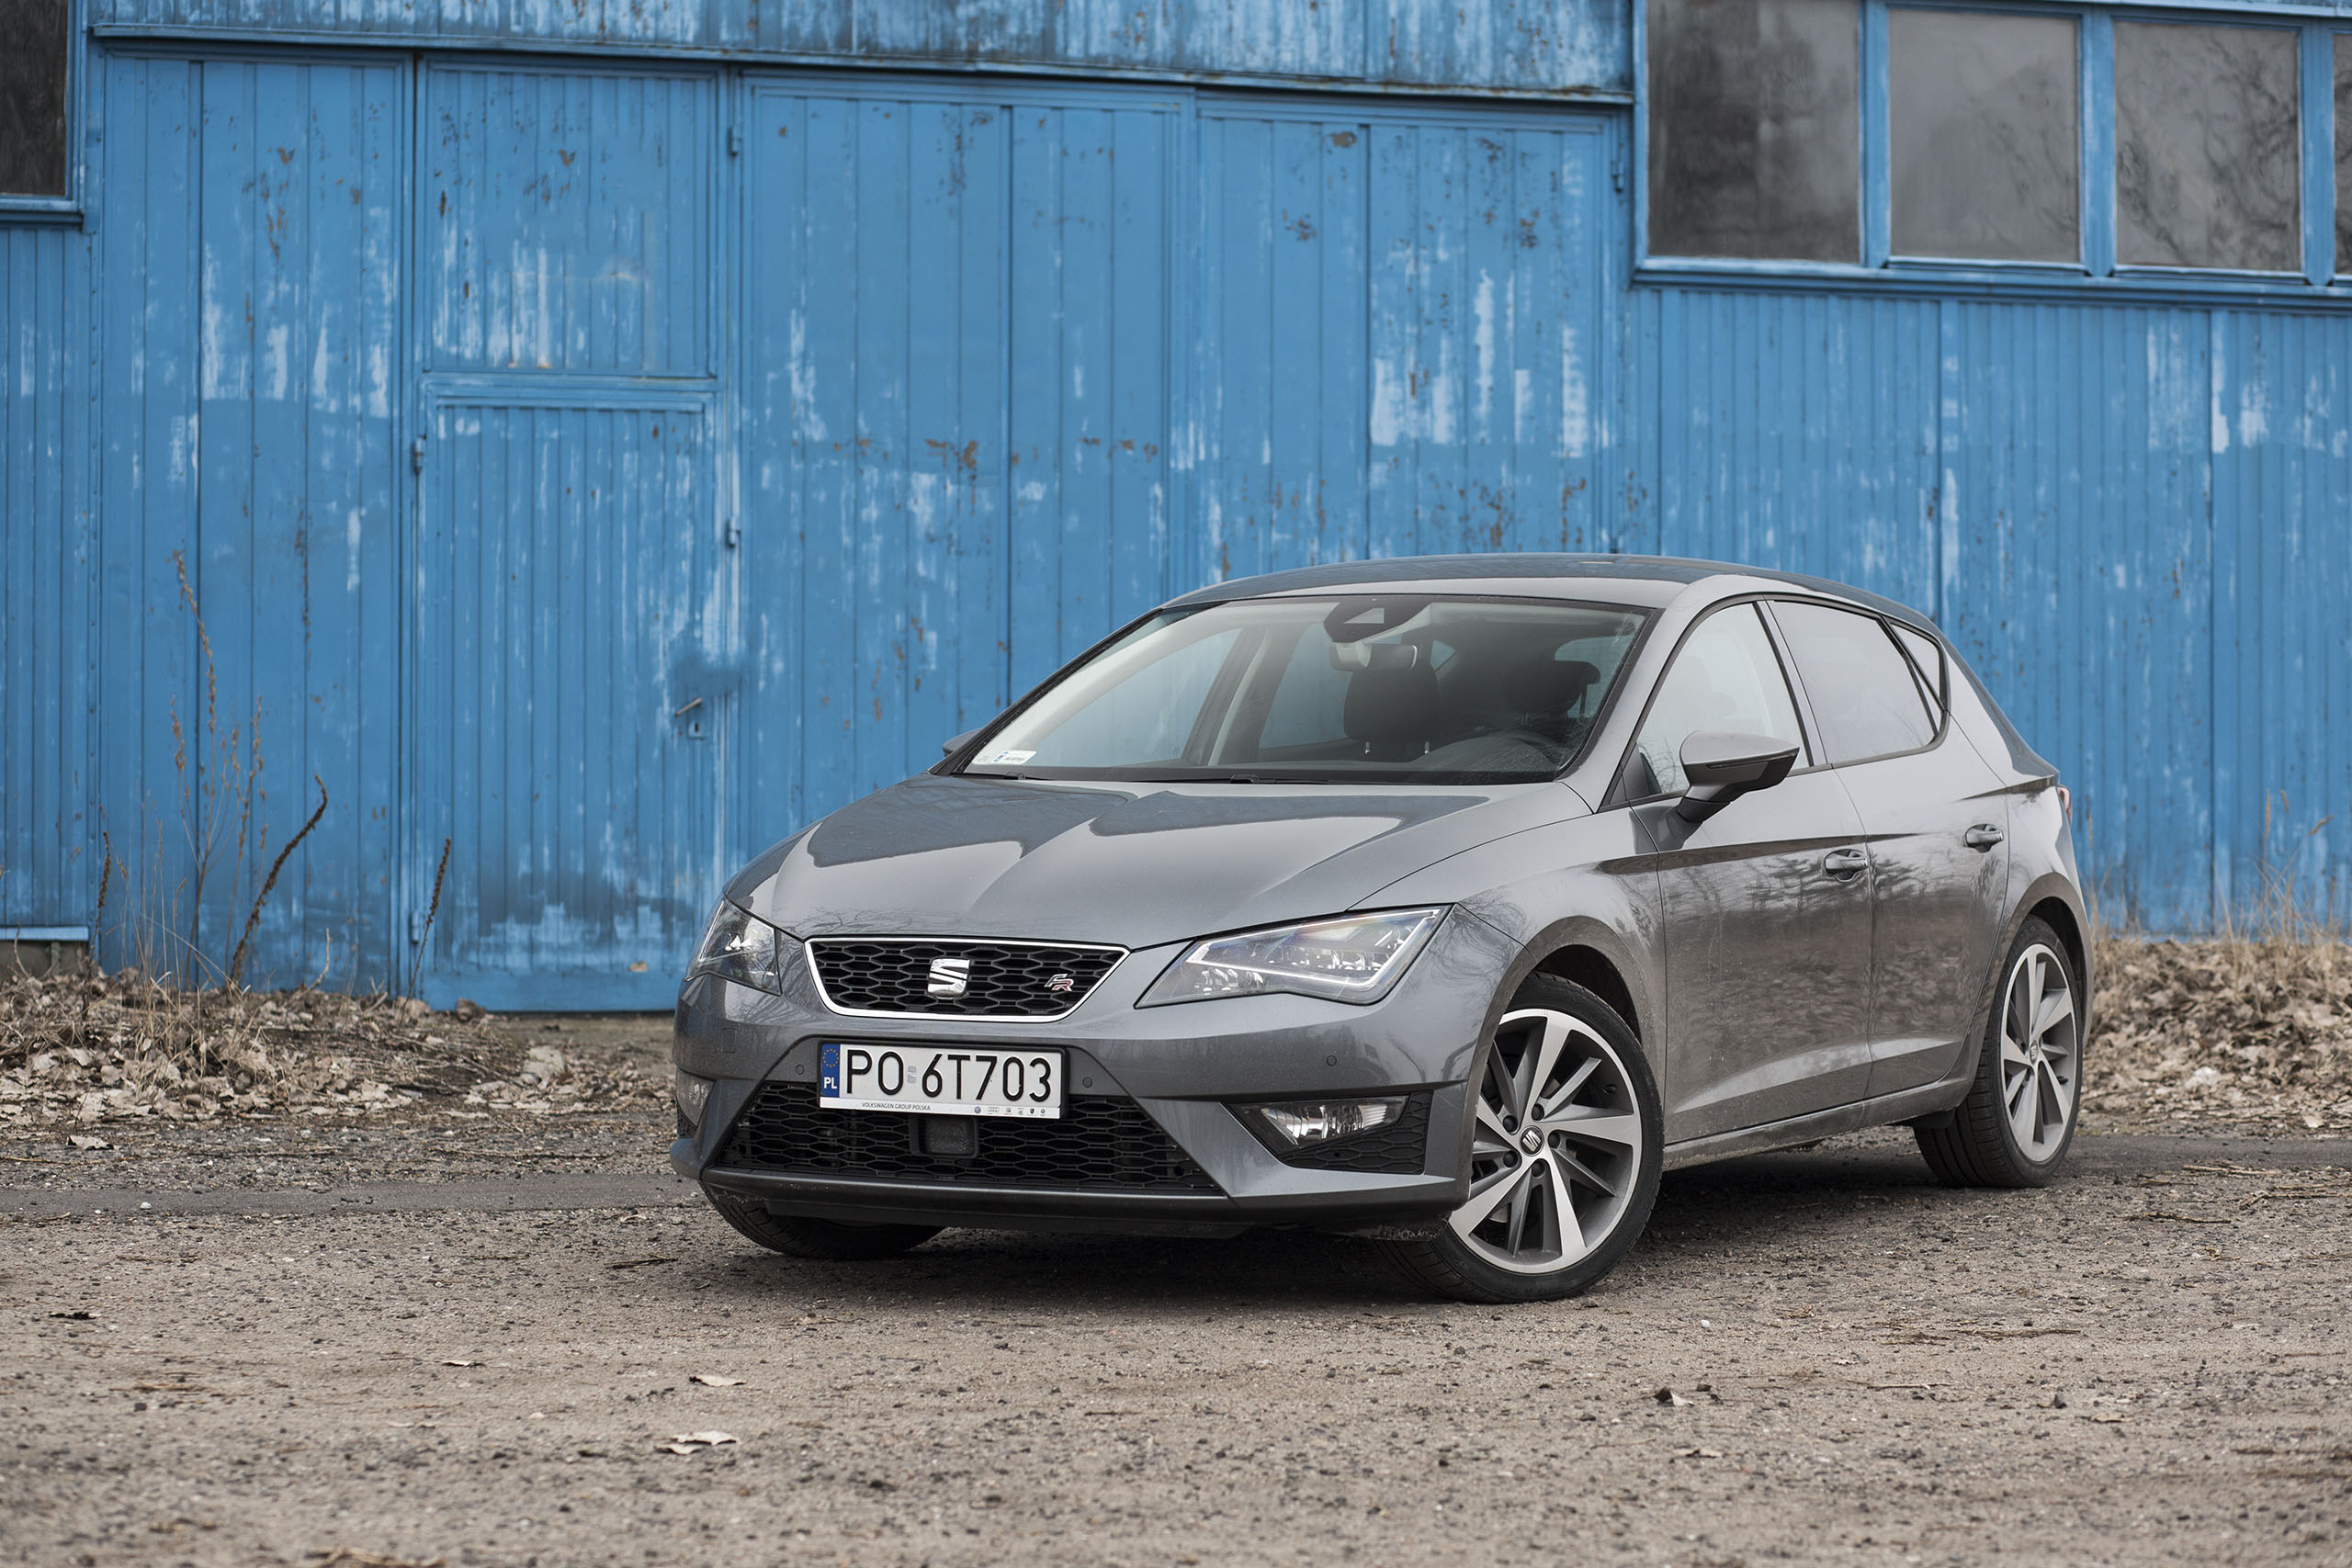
[{"x": 1766, "y": 906}]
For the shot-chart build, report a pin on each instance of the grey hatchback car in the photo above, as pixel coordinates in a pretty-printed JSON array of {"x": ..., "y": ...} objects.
[{"x": 1445, "y": 901}]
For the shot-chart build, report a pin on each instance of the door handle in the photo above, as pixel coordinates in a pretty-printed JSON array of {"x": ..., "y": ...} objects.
[
  {"x": 1983, "y": 836},
  {"x": 1843, "y": 863}
]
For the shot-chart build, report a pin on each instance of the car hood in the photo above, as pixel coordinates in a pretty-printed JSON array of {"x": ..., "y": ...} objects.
[{"x": 1134, "y": 864}]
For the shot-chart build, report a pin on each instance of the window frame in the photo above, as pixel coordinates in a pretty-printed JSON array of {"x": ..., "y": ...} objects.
[
  {"x": 65, "y": 208},
  {"x": 2322, "y": 276},
  {"x": 1942, "y": 709},
  {"x": 1618, "y": 796}
]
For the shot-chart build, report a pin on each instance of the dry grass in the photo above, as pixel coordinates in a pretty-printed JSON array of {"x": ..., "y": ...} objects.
[
  {"x": 2242, "y": 1032},
  {"x": 2251, "y": 1035},
  {"x": 78, "y": 1050}
]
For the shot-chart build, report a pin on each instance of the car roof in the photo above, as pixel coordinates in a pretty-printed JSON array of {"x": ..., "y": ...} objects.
[{"x": 1651, "y": 581}]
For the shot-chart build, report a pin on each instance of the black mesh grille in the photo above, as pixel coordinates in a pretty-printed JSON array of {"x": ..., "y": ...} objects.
[
  {"x": 1399, "y": 1149},
  {"x": 1097, "y": 1143},
  {"x": 1004, "y": 980}
]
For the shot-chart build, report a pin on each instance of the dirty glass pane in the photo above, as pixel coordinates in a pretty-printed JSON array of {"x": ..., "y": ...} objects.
[
  {"x": 2344, "y": 152},
  {"x": 2206, "y": 155},
  {"x": 1981, "y": 119},
  {"x": 32, "y": 98},
  {"x": 1755, "y": 129}
]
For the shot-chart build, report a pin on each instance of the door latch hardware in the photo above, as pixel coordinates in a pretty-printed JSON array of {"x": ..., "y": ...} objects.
[
  {"x": 1983, "y": 836},
  {"x": 1843, "y": 863}
]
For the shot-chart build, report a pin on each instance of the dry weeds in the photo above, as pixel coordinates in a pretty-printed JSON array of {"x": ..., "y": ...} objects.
[
  {"x": 2252, "y": 1033},
  {"x": 2244, "y": 1034},
  {"x": 79, "y": 1051}
]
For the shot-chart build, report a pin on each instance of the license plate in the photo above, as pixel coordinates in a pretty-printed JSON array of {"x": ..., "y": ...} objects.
[{"x": 941, "y": 1080}]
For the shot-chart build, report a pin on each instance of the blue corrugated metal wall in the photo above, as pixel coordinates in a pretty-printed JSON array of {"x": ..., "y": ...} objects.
[{"x": 776, "y": 423}]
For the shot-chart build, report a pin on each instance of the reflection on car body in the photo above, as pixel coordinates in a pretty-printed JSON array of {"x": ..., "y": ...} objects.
[{"x": 1445, "y": 900}]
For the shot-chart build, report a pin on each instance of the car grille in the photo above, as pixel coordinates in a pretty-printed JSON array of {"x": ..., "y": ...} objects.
[
  {"x": 1399, "y": 1149},
  {"x": 1097, "y": 1143},
  {"x": 1005, "y": 979}
]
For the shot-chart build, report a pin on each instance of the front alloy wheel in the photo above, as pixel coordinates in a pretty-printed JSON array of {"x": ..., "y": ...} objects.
[{"x": 1564, "y": 1156}]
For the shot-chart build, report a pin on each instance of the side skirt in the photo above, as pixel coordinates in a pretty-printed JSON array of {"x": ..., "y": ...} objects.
[{"x": 1818, "y": 1124}]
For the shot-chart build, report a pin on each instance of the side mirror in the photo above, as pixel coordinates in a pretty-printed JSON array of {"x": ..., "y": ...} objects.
[
  {"x": 1722, "y": 765},
  {"x": 955, "y": 744}
]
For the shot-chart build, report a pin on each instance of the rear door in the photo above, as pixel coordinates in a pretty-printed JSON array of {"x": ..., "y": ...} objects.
[
  {"x": 1766, "y": 905},
  {"x": 1935, "y": 818}
]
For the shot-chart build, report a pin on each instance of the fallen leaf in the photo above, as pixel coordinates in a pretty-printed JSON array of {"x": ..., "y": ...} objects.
[
  {"x": 1667, "y": 1396},
  {"x": 712, "y": 1380},
  {"x": 1698, "y": 1453},
  {"x": 638, "y": 1262},
  {"x": 87, "y": 1141},
  {"x": 461, "y": 1363}
]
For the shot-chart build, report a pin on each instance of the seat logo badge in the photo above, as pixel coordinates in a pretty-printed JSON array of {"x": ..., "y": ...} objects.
[
  {"x": 1060, "y": 982},
  {"x": 1532, "y": 1140},
  {"x": 950, "y": 976}
]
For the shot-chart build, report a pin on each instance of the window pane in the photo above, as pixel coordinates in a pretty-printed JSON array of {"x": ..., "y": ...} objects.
[
  {"x": 1755, "y": 129},
  {"x": 2344, "y": 152},
  {"x": 32, "y": 98},
  {"x": 2206, "y": 153},
  {"x": 1863, "y": 694},
  {"x": 1725, "y": 677},
  {"x": 1981, "y": 129},
  {"x": 1928, "y": 658}
]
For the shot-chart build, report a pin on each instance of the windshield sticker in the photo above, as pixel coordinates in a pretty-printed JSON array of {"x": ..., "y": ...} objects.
[{"x": 1008, "y": 759}]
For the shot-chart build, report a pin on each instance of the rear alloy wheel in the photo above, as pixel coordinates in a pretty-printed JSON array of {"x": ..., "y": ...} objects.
[
  {"x": 1564, "y": 1156},
  {"x": 2018, "y": 1119}
]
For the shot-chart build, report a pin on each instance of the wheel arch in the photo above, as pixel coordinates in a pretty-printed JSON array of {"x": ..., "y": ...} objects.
[{"x": 1582, "y": 964}]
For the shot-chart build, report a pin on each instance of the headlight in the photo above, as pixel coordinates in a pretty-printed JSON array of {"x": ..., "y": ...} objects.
[
  {"x": 742, "y": 947},
  {"x": 1349, "y": 958}
]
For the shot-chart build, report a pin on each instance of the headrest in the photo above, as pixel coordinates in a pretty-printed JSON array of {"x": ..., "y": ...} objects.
[
  {"x": 1392, "y": 705},
  {"x": 1547, "y": 684}
]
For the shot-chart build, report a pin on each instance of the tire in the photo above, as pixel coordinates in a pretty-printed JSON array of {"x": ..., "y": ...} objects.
[
  {"x": 795, "y": 1237},
  {"x": 2016, "y": 1125},
  {"x": 1567, "y": 1052}
]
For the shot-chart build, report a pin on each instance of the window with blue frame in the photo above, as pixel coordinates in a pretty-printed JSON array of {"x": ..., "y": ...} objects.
[
  {"x": 33, "y": 65},
  {"x": 1914, "y": 136}
]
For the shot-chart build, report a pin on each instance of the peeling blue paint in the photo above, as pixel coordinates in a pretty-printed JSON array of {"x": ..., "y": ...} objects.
[{"x": 606, "y": 467}]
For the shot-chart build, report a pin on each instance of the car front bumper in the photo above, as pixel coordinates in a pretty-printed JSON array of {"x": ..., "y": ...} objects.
[{"x": 1185, "y": 1067}]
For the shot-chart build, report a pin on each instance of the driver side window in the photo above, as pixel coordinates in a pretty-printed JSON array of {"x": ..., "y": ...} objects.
[{"x": 1725, "y": 677}]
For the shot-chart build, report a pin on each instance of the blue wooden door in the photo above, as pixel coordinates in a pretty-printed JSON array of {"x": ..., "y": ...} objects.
[
  {"x": 955, "y": 342},
  {"x": 574, "y": 594},
  {"x": 1406, "y": 339}
]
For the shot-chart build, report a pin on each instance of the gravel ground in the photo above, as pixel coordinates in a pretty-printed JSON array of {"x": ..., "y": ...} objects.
[
  {"x": 460, "y": 1331},
  {"x": 1814, "y": 1356}
]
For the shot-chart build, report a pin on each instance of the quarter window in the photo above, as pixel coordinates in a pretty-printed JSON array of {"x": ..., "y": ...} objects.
[
  {"x": 1755, "y": 128},
  {"x": 1725, "y": 677},
  {"x": 1866, "y": 701},
  {"x": 1983, "y": 136},
  {"x": 1928, "y": 660},
  {"x": 2206, "y": 134},
  {"x": 33, "y": 64}
]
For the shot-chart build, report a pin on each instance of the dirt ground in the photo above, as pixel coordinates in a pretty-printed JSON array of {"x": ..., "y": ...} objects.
[
  {"x": 440, "y": 1300},
  {"x": 421, "y": 1341}
]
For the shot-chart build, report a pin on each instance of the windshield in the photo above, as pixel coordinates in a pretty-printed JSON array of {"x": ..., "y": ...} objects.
[{"x": 1328, "y": 690}]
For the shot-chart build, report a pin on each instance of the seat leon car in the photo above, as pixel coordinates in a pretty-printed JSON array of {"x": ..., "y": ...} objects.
[{"x": 1445, "y": 901}]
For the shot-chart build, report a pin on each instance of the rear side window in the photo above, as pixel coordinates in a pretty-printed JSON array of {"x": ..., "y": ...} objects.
[
  {"x": 1724, "y": 677},
  {"x": 1866, "y": 699}
]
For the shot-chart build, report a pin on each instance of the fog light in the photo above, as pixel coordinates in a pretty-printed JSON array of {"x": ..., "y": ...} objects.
[
  {"x": 694, "y": 1093},
  {"x": 1308, "y": 1121}
]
